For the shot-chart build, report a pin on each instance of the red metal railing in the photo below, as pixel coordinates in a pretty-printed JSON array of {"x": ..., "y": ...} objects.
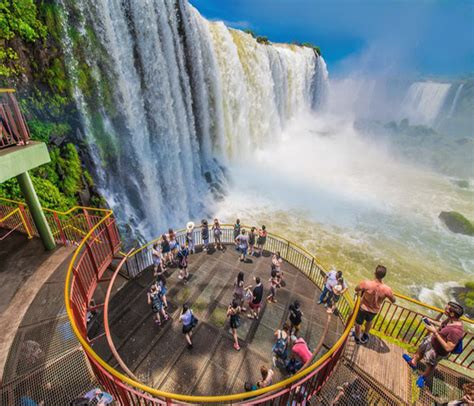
[
  {"x": 403, "y": 322},
  {"x": 67, "y": 227},
  {"x": 13, "y": 128}
]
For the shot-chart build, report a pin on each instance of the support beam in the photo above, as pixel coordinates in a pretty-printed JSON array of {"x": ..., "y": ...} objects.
[{"x": 36, "y": 211}]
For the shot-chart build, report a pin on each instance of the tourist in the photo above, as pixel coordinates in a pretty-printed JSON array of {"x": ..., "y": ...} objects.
[
  {"x": 217, "y": 232},
  {"x": 445, "y": 338},
  {"x": 155, "y": 300},
  {"x": 262, "y": 239},
  {"x": 301, "y": 350},
  {"x": 295, "y": 316},
  {"x": 267, "y": 377},
  {"x": 249, "y": 387},
  {"x": 161, "y": 283},
  {"x": 256, "y": 302},
  {"x": 182, "y": 258},
  {"x": 242, "y": 242},
  {"x": 280, "y": 348},
  {"x": 166, "y": 249},
  {"x": 274, "y": 284},
  {"x": 240, "y": 290},
  {"x": 252, "y": 236},
  {"x": 173, "y": 244},
  {"x": 233, "y": 312},
  {"x": 99, "y": 396},
  {"x": 276, "y": 265},
  {"x": 330, "y": 279},
  {"x": 236, "y": 230},
  {"x": 157, "y": 260},
  {"x": 205, "y": 234},
  {"x": 190, "y": 236},
  {"x": 189, "y": 322},
  {"x": 336, "y": 292},
  {"x": 373, "y": 292}
]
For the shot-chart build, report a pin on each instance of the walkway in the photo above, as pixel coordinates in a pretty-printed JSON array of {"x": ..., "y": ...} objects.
[{"x": 158, "y": 355}]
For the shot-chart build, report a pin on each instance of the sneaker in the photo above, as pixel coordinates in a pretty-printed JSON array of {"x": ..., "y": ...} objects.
[
  {"x": 320, "y": 302},
  {"x": 408, "y": 360},
  {"x": 274, "y": 361},
  {"x": 364, "y": 339},
  {"x": 420, "y": 382},
  {"x": 356, "y": 339},
  {"x": 329, "y": 310},
  {"x": 190, "y": 346},
  {"x": 180, "y": 277},
  {"x": 236, "y": 347},
  {"x": 158, "y": 322}
]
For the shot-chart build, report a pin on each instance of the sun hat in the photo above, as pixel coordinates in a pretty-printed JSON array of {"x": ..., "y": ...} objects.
[{"x": 190, "y": 226}]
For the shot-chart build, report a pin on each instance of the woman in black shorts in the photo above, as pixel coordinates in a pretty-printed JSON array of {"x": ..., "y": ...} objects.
[
  {"x": 262, "y": 239},
  {"x": 233, "y": 312}
]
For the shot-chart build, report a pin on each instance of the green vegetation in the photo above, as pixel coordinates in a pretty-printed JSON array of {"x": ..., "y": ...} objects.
[
  {"x": 315, "y": 48},
  {"x": 466, "y": 298},
  {"x": 457, "y": 223},
  {"x": 18, "y": 19},
  {"x": 259, "y": 38}
]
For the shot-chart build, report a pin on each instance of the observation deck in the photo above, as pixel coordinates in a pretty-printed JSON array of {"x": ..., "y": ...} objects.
[{"x": 163, "y": 371}]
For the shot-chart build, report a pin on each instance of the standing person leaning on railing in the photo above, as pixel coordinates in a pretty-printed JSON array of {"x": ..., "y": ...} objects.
[
  {"x": 445, "y": 338},
  {"x": 373, "y": 293}
]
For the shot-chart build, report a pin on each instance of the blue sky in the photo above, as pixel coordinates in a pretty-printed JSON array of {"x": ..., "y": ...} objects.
[{"x": 429, "y": 38}]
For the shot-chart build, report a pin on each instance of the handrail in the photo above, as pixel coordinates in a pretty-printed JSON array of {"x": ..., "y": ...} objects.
[
  {"x": 180, "y": 397},
  {"x": 7, "y": 90},
  {"x": 108, "y": 336},
  {"x": 434, "y": 308},
  {"x": 62, "y": 212}
]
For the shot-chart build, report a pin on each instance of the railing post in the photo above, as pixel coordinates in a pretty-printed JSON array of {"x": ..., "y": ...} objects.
[
  {"x": 88, "y": 220},
  {"x": 60, "y": 228},
  {"x": 26, "y": 222}
]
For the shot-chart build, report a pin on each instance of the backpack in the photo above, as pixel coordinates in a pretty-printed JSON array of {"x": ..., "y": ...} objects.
[
  {"x": 279, "y": 348},
  {"x": 459, "y": 348}
]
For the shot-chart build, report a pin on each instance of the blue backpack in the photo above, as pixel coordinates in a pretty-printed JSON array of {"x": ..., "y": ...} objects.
[{"x": 279, "y": 348}]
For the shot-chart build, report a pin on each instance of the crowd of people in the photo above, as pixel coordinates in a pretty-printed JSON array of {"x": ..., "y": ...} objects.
[{"x": 290, "y": 352}]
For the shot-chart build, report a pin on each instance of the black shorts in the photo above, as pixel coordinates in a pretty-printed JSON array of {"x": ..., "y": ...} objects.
[
  {"x": 364, "y": 316},
  {"x": 187, "y": 328}
]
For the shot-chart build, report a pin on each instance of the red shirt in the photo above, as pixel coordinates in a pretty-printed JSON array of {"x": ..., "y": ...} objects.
[
  {"x": 300, "y": 348},
  {"x": 375, "y": 293},
  {"x": 448, "y": 332}
]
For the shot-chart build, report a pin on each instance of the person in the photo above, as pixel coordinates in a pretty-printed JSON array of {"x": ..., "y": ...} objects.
[
  {"x": 156, "y": 303},
  {"x": 267, "y": 377},
  {"x": 336, "y": 292},
  {"x": 300, "y": 349},
  {"x": 205, "y": 234},
  {"x": 240, "y": 289},
  {"x": 373, "y": 293},
  {"x": 249, "y": 387},
  {"x": 274, "y": 284},
  {"x": 444, "y": 338},
  {"x": 161, "y": 283},
  {"x": 261, "y": 240},
  {"x": 102, "y": 398},
  {"x": 174, "y": 245},
  {"x": 252, "y": 236},
  {"x": 166, "y": 249},
  {"x": 330, "y": 279},
  {"x": 189, "y": 322},
  {"x": 190, "y": 236},
  {"x": 295, "y": 316},
  {"x": 242, "y": 242},
  {"x": 236, "y": 230},
  {"x": 157, "y": 262},
  {"x": 182, "y": 258},
  {"x": 280, "y": 348},
  {"x": 276, "y": 263},
  {"x": 256, "y": 302},
  {"x": 217, "y": 231},
  {"x": 233, "y": 312},
  {"x": 467, "y": 398}
]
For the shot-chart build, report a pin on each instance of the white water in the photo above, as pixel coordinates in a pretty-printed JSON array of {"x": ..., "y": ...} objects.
[
  {"x": 424, "y": 101},
  {"x": 186, "y": 98},
  {"x": 455, "y": 100}
]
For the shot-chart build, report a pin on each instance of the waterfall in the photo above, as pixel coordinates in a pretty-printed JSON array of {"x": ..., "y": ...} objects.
[
  {"x": 455, "y": 100},
  {"x": 168, "y": 100},
  {"x": 423, "y": 102}
]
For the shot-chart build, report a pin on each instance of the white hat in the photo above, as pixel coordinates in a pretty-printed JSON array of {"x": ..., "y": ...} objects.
[
  {"x": 190, "y": 225},
  {"x": 337, "y": 289}
]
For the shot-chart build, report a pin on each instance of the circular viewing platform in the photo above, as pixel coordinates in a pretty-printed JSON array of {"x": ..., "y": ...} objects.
[{"x": 158, "y": 355}]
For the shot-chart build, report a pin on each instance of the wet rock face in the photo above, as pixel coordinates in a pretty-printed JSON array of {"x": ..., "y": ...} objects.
[{"x": 457, "y": 223}]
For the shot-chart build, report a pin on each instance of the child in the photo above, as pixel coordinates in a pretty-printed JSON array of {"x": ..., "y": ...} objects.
[
  {"x": 190, "y": 236},
  {"x": 274, "y": 284},
  {"x": 233, "y": 312},
  {"x": 182, "y": 258},
  {"x": 217, "y": 231}
]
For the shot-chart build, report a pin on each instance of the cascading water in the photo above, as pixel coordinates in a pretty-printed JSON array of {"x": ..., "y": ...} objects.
[
  {"x": 424, "y": 101},
  {"x": 172, "y": 99}
]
